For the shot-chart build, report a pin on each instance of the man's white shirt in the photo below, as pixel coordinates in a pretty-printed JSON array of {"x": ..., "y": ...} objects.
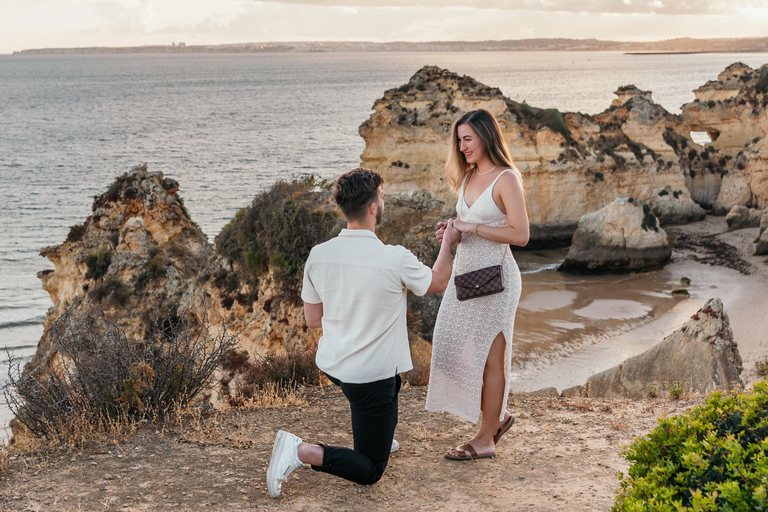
[{"x": 362, "y": 284}]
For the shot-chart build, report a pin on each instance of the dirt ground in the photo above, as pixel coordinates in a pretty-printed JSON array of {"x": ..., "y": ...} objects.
[{"x": 561, "y": 454}]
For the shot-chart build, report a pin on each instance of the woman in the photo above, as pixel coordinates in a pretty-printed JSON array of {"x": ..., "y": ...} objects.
[{"x": 471, "y": 345}]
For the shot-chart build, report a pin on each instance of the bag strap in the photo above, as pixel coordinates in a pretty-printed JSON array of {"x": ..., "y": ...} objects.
[{"x": 455, "y": 267}]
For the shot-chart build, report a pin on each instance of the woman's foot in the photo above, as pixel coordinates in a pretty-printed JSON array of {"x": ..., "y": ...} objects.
[{"x": 474, "y": 449}]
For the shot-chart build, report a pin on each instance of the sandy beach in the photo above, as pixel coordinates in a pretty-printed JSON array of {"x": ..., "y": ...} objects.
[{"x": 635, "y": 312}]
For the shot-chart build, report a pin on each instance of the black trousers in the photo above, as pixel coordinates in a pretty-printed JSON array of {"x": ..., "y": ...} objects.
[{"x": 374, "y": 418}]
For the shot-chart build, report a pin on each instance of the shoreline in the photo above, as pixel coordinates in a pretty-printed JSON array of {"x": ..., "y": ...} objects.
[{"x": 743, "y": 296}]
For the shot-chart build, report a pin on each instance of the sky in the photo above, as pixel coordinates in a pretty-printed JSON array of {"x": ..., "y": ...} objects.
[{"x": 26, "y": 24}]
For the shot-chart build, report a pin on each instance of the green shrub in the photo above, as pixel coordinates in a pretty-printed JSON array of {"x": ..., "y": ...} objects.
[
  {"x": 278, "y": 230},
  {"x": 676, "y": 390},
  {"x": 549, "y": 117},
  {"x": 714, "y": 457},
  {"x": 113, "y": 287},
  {"x": 98, "y": 262},
  {"x": 76, "y": 233}
]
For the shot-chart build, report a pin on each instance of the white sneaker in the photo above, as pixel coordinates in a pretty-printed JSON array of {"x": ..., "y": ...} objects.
[
  {"x": 395, "y": 446},
  {"x": 285, "y": 458}
]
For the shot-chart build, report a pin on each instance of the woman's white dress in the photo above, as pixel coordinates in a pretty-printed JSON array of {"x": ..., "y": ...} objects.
[{"x": 464, "y": 331}]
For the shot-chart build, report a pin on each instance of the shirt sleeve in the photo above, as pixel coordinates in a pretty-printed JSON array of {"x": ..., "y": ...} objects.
[
  {"x": 415, "y": 275},
  {"x": 308, "y": 292}
]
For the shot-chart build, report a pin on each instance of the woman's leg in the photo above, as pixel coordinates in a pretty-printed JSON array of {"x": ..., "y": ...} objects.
[{"x": 494, "y": 384}]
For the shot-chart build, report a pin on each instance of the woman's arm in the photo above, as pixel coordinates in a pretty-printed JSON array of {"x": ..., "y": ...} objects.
[{"x": 508, "y": 194}]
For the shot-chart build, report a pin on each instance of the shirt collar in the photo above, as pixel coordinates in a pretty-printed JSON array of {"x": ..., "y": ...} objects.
[{"x": 364, "y": 233}]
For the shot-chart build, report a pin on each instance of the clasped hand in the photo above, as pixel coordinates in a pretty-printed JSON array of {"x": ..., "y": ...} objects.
[{"x": 448, "y": 231}]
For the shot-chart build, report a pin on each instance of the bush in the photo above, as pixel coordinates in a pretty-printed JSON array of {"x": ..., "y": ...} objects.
[
  {"x": 549, "y": 117},
  {"x": 98, "y": 262},
  {"x": 102, "y": 374},
  {"x": 714, "y": 457},
  {"x": 76, "y": 233},
  {"x": 278, "y": 230},
  {"x": 285, "y": 372},
  {"x": 113, "y": 287}
]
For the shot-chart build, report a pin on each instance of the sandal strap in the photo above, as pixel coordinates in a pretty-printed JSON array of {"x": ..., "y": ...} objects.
[{"x": 470, "y": 450}]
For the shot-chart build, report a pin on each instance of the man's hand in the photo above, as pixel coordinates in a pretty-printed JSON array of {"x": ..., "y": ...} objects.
[
  {"x": 451, "y": 235},
  {"x": 454, "y": 236}
]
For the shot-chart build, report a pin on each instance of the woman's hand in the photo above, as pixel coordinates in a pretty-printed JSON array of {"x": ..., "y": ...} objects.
[{"x": 464, "y": 226}]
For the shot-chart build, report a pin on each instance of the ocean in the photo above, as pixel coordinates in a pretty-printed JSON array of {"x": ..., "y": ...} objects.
[{"x": 226, "y": 126}]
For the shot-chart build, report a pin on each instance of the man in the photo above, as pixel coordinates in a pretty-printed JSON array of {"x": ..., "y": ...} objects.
[{"x": 355, "y": 289}]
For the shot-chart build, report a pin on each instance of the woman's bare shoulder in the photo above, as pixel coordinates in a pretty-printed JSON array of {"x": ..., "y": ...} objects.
[{"x": 511, "y": 179}]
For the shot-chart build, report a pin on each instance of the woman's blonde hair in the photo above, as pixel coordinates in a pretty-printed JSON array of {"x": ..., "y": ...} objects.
[{"x": 487, "y": 129}]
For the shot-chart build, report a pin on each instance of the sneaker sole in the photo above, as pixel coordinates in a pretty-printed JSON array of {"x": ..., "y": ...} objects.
[{"x": 274, "y": 479}]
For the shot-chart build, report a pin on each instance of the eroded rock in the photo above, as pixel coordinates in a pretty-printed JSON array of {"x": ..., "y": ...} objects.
[
  {"x": 741, "y": 217},
  {"x": 572, "y": 163},
  {"x": 701, "y": 356},
  {"x": 622, "y": 237}
]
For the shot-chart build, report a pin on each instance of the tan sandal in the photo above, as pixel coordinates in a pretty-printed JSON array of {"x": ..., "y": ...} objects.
[
  {"x": 468, "y": 454},
  {"x": 503, "y": 428}
]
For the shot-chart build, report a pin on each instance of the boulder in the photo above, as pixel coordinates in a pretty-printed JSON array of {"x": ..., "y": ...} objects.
[
  {"x": 546, "y": 392},
  {"x": 701, "y": 355},
  {"x": 762, "y": 244},
  {"x": 572, "y": 163},
  {"x": 624, "y": 236},
  {"x": 763, "y": 226},
  {"x": 573, "y": 392},
  {"x": 675, "y": 207},
  {"x": 741, "y": 217}
]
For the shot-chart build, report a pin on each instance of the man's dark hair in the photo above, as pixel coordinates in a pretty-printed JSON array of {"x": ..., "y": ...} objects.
[{"x": 355, "y": 190}]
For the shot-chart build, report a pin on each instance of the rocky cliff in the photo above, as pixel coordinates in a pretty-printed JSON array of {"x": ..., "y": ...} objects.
[
  {"x": 575, "y": 163},
  {"x": 140, "y": 261}
]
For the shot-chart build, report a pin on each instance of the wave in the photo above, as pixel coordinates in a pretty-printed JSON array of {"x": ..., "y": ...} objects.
[
  {"x": 7, "y": 324},
  {"x": 539, "y": 268}
]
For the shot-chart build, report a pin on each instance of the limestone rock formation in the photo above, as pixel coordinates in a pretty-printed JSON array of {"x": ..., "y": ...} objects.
[
  {"x": 574, "y": 163},
  {"x": 131, "y": 261},
  {"x": 733, "y": 169},
  {"x": 701, "y": 356},
  {"x": 621, "y": 237},
  {"x": 763, "y": 225},
  {"x": 139, "y": 259},
  {"x": 741, "y": 217}
]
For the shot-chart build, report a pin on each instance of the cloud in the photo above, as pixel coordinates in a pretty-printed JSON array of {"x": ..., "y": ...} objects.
[{"x": 686, "y": 7}]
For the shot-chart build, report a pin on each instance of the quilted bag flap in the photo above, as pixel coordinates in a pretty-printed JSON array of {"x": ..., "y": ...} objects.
[{"x": 478, "y": 278}]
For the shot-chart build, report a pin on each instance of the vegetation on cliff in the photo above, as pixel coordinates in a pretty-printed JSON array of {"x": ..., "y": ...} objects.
[
  {"x": 276, "y": 232},
  {"x": 715, "y": 457}
]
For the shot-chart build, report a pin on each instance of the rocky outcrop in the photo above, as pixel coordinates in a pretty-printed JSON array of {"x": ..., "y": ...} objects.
[
  {"x": 732, "y": 111},
  {"x": 131, "y": 261},
  {"x": 139, "y": 260},
  {"x": 621, "y": 237},
  {"x": 741, "y": 217},
  {"x": 701, "y": 356},
  {"x": 761, "y": 247},
  {"x": 572, "y": 163},
  {"x": 763, "y": 225}
]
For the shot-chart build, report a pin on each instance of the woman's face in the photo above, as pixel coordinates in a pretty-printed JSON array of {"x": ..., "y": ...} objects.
[{"x": 470, "y": 144}]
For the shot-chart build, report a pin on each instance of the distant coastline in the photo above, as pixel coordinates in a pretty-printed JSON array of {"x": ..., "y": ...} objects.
[{"x": 671, "y": 46}]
